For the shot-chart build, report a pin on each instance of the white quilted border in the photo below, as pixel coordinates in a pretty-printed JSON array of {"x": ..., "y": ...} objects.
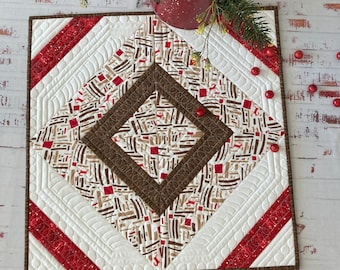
[
  {"x": 44, "y": 30},
  {"x": 79, "y": 221},
  {"x": 47, "y": 96},
  {"x": 277, "y": 252},
  {"x": 40, "y": 258},
  {"x": 224, "y": 54},
  {"x": 220, "y": 235}
]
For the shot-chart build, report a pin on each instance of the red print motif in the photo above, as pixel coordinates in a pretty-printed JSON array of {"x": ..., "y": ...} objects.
[
  {"x": 164, "y": 175},
  {"x": 101, "y": 77},
  {"x": 47, "y": 144},
  {"x": 154, "y": 150},
  {"x": 218, "y": 168},
  {"x": 247, "y": 104},
  {"x": 203, "y": 92},
  {"x": 108, "y": 190},
  {"x": 119, "y": 52},
  {"x": 73, "y": 123},
  {"x": 187, "y": 222},
  {"x": 117, "y": 81}
]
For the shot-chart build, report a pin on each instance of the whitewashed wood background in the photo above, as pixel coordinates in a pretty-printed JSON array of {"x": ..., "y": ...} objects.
[{"x": 314, "y": 123}]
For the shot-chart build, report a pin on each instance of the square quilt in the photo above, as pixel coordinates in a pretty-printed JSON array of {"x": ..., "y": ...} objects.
[{"x": 142, "y": 157}]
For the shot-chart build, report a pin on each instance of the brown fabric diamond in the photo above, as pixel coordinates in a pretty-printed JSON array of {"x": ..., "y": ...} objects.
[{"x": 157, "y": 196}]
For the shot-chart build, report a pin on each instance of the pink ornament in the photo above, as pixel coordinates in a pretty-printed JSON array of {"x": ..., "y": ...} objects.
[
  {"x": 336, "y": 102},
  {"x": 274, "y": 148},
  {"x": 200, "y": 112},
  {"x": 255, "y": 71},
  {"x": 269, "y": 94},
  {"x": 298, "y": 54},
  {"x": 180, "y": 13},
  {"x": 312, "y": 88}
]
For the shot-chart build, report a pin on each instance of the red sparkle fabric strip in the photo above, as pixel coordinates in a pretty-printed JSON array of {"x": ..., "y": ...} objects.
[
  {"x": 56, "y": 242},
  {"x": 271, "y": 60},
  {"x": 259, "y": 237},
  {"x": 59, "y": 46}
]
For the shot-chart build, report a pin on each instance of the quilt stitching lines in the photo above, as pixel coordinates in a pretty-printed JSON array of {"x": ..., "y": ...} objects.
[
  {"x": 52, "y": 238},
  {"x": 256, "y": 240},
  {"x": 59, "y": 46},
  {"x": 108, "y": 193},
  {"x": 74, "y": 122}
]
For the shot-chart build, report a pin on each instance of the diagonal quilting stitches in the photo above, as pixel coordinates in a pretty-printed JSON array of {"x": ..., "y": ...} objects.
[
  {"x": 157, "y": 136},
  {"x": 99, "y": 139},
  {"x": 60, "y": 142}
]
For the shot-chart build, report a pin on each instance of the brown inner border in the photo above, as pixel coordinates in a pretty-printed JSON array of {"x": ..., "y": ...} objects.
[
  {"x": 157, "y": 196},
  {"x": 277, "y": 28}
]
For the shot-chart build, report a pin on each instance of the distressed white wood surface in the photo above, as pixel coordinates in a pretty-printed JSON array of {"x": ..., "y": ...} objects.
[{"x": 314, "y": 124}]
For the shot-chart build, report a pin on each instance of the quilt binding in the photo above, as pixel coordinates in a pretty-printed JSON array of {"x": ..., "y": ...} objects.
[{"x": 284, "y": 111}]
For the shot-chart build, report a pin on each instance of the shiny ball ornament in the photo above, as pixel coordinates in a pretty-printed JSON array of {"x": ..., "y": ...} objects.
[
  {"x": 298, "y": 54},
  {"x": 180, "y": 13},
  {"x": 200, "y": 112},
  {"x": 312, "y": 88},
  {"x": 270, "y": 51},
  {"x": 274, "y": 148},
  {"x": 338, "y": 55},
  {"x": 336, "y": 102},
  {"x": 269, "y": 94},
  {"x": 255, "y": 71}
]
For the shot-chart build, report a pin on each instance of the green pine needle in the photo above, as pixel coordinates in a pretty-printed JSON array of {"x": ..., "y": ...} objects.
[{"x": 242, "y": 16}]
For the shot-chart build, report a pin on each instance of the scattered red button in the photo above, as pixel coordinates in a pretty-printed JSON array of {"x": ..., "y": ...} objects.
[
  {"x": 269, "y": 94},
  {"x": 338, "y": 55},
  {"x": 200, "y": 112},
  {"x": 274, "y": 147},
  {"x": 298, "y": 54},
  {"x": 336, "y": 102},
  {"x": 270, "y": 51},
  {"x": 255, "y": 71},
  {"x": 312, "y": 88}
]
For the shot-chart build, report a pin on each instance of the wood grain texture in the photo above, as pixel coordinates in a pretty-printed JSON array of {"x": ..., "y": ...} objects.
[{"x": 314, "y": 123}]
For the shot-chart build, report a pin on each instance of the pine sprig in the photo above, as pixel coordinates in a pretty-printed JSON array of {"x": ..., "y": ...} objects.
[{"x": 241, "y": 16}]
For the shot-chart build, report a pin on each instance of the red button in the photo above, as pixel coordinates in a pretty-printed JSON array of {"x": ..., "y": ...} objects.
[
  {"x": 298, "y": 54},
  {"x": 255, "y": 71},
  {"x": 269, "y": 94},
  {"x": 274, "y": 147},
  {"x": 312, "y": 88},
  {"x": 336, "y": 102},
  {"x": 270, "y": 51},
  {"x": 200, "y": 112}
]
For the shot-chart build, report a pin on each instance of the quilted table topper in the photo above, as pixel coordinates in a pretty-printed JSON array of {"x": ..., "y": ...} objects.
[{"x": 141, "y": 156}]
